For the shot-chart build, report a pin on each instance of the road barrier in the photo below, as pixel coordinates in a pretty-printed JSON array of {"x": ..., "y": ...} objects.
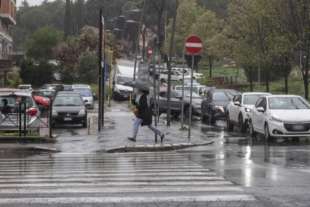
[{"x": 26, "y": 122}]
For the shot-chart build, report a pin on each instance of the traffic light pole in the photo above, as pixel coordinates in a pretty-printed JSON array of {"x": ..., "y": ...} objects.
[{"x": 100, "y": 73}]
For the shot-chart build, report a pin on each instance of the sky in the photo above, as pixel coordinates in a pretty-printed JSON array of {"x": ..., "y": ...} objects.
[{"x": 31, "y": 2}]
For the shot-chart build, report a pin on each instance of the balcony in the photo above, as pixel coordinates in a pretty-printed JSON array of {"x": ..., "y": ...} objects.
[{"x": 7, "y": 18}]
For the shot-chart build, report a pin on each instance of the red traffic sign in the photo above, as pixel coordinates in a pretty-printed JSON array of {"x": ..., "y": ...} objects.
[{"x": 193, "y": 45}]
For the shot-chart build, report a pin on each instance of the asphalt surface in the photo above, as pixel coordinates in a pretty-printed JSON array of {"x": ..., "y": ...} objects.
[{"x": 231, "y": 172}]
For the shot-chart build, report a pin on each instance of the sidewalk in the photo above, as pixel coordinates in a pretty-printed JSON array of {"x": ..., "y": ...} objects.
[{"x": 118, "y": 127}]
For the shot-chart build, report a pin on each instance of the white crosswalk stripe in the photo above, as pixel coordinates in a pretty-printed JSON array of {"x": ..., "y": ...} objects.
[{"x": 118, "y": 179}]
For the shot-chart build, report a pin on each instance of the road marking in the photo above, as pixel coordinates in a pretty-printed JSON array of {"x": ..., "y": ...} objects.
[
  {"x": 124, "y": 199},
  {"x": 107, "y": 184}
]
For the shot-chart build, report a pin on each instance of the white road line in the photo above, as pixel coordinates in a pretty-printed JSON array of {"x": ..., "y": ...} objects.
[
  {"x": 127, "y": 189},
  {"x": 105, "y": 184},
  {"x": 103, "y": 174},
  {"x": 138, "y": 178},
  {"x": 124, "y": 199}
]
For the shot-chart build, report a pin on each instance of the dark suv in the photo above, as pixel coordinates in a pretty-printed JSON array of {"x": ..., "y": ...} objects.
[{"x": 213, "y": 107}]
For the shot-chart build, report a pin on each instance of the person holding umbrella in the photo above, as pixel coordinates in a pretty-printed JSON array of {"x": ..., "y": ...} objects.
[{"x": 143, "y": 112}]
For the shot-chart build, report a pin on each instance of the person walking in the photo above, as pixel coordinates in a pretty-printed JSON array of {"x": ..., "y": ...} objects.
[{"x": 143, "y": 112}]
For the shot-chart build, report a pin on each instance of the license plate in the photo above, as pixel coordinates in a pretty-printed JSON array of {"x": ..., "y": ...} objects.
[
  {"x": 298, "y": 127},
  {"x": 68, "y": 119}
]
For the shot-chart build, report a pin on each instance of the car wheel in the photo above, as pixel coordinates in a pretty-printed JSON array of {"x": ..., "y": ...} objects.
[
  {"x": 251, "y": 129},
  {"x": 84, "y": 123},
  {"x": 230, "y": 126},
  {"x": 267, "y": 133},
  {"x": 242, "y": 125},
  {"x": 204, "y": 119}
]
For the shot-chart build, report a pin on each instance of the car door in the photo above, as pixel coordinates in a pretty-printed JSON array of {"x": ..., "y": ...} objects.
[
  {"x": 235, "y": 109},
  {"x": 259, "y": 117}
]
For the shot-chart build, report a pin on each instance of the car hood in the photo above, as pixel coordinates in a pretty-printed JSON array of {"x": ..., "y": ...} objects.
[
  {"x": 221, "y": 103},
  {"x": 123, "y": 88},
  {"x": 68, "y": 108},
  {"x": 292, "y": 115}
]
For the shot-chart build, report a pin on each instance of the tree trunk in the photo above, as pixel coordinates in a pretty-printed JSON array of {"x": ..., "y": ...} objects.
[
  {"x": 251, "y": 81},
  {"x": 169, "y": 64},
  {"x": 306, "y": 86},
  {"x": 210, "y": 66},
  {"x": 267, "y": 81}
]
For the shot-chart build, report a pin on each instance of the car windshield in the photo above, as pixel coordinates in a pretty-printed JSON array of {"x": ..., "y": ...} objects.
[
  {"x": 287, "y": 103},
  {"x": 68, "y": 101},
  {"x": 251, "y": 99},
  {"x": 123, "y": 79},
  {"x": 220, "y": 96},
  {"x": 13, "y": 100},
  {"x": 84, "y": 92},
  {"x": 44, "y": 93}
]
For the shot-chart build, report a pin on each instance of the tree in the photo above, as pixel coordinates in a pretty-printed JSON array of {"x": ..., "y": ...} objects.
[
  {"x": 68, "y": 23},
  {"x": 87, "y": 68},
  {"x": 207, "y": 27},
  {"x": 41, "y": 43}
]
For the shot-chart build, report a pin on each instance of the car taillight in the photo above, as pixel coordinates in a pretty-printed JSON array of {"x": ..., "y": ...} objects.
[{"x": 32, "y": 111}]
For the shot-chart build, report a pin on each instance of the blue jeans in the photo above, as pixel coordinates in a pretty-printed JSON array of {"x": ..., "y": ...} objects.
[{"x": 137, "y": 124}]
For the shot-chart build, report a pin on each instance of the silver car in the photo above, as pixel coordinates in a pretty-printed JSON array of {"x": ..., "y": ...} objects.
[
  {"x": 10, "y": 102},
  {"x": 86, "y": 94}
]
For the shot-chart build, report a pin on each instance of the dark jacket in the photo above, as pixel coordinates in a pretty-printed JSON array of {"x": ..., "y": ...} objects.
[{"x": 144, "y": 111}]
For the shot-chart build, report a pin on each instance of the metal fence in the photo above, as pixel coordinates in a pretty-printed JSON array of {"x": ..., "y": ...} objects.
[{"x": 26, "y": 122}]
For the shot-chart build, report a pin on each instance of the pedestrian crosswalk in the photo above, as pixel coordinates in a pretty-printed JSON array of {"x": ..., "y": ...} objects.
[{"x": 134, "y": 179}]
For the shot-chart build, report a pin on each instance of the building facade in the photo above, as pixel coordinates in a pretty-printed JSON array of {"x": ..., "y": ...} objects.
[{"x": 7, "y": 19}]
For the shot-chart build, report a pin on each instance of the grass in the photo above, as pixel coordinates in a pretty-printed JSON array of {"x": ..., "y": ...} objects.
[{"x": 295, "y": 83}]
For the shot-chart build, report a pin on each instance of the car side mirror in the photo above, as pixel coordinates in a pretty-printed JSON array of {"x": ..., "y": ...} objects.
[
  {"x": 237, "y": 103},
  {"x": 261, "y": 109}
]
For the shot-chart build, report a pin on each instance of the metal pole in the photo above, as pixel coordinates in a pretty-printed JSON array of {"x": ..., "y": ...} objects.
[
  {"x": 137, "y": 43},
  {"x": 20, "y": 120},
  {"x": 104, "y": 71},
  {"x": 50, "y": 119},
  {"x": 155, "y": 98},
  {"x": 191, "y": 100},
  {"x": 100, "y": 73},
  {"x": 25, "y": 120},
  {"x": 182, "y": 110}
]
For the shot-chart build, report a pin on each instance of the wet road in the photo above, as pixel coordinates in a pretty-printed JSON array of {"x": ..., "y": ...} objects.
[{"x": 229, "y": 173}]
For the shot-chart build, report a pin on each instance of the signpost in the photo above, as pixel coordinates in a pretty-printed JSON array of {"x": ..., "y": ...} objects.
[{"x": 193, "y": 46}]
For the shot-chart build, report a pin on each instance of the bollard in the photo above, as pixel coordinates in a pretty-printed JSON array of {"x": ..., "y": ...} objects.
[{"x": 88, "y": 125}]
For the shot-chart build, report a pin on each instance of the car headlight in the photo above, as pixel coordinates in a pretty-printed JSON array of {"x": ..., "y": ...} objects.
[
  {"x": 276, "y": 119},
  {"x": 82, "y": 112},
  {"x": 247, "y": 110},
  {"x": 54, "y": 112}
]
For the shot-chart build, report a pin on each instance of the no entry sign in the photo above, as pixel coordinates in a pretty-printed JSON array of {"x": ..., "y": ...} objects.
[{"x": 193, "y": 45}]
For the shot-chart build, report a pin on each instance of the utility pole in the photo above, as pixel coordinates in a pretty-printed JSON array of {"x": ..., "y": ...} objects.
[
  {"x": 169, "y": 64},
  {"x": 100, "y": 72},
  {"x": 137, "y": 44}
]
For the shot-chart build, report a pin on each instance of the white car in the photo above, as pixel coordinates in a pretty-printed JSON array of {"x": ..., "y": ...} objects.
[
  {"x": 238, "y": 111},
  {"x": 281, "y": 116},
  {"x": 86, "y": 93}
]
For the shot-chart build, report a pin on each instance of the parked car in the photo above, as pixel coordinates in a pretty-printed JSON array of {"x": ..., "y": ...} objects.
[
  {"x": 176, "y": 103},
  {"x": 238, "y": 111},
  {"x": 86, "y": 93},
  {"x": 9, "y": 109},
  {"x": 68, "y": 107},
  {"x": 214, "y": 105},
  {"x": 121, "y": 88},
  {"x": 47, "y": 93},
  {"x": 68, "y": 88},
  {"x": 26, "y": 87},
  {"x": 197, "y": 88},
  {"x": 281, "y": 116},
  {"x": 56, "y": 87}
]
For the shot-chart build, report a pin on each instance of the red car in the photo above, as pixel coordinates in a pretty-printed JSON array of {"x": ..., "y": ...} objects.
[{"x": 42, "y": 101}]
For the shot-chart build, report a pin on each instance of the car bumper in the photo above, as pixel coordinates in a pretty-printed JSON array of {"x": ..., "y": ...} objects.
[
  {"x": 277, "y": 129},
  {"x": 123, "y": 95},
  {"x": 61, "y": 119},
  {"x": 89, "y": 105}
]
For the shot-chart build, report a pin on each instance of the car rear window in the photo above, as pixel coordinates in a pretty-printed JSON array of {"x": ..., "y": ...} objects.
[
  {"x": 14, "y": 100},
  {"x": 68, "y": 101}
]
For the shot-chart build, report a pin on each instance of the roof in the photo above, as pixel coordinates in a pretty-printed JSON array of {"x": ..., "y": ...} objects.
[
  {"x": 14, "y": 91},
  {"x": 282, "y": 96},
  {"x": 65, "y": 93},
  {"x": 256, "y": 93}
]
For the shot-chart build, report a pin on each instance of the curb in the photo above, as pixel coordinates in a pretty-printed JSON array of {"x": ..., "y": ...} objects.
[
  {"x": 36, "y": 140},
  {"x": 155, "y": 147}
]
